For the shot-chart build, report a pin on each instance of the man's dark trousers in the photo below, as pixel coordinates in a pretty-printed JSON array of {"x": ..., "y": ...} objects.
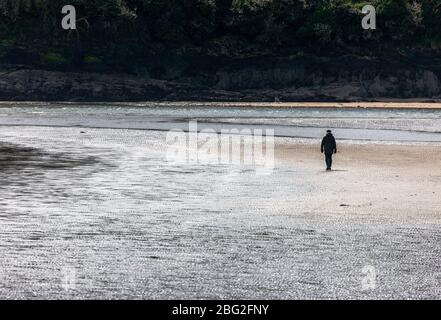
[{"x": 328, "y": 159}]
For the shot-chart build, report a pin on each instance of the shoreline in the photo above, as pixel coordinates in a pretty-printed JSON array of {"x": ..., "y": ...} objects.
[
  {"x": 283, "y": 105},
  {"x": 280, "y": 139},
  {"x": 399, "y": 126}
]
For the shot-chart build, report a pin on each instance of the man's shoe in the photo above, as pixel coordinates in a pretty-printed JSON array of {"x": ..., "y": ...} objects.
[{"x": 328, "y": 169}]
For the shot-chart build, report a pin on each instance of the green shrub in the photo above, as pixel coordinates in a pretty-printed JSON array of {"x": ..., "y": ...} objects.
[
  {"x": 92, "y": 60},
  {"x": 52, "y": 58}
]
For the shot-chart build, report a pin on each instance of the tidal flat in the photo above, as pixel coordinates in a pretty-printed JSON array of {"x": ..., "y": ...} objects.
[{"x": 91, "y": 208}]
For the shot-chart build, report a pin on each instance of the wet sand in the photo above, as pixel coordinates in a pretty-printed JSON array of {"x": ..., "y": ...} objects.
[
  {"x": 393, "y": 104},
  {"x": 391, "y": 181},
  {"x": 409, "y": 104},
  {"x": 99, "y": 214},
  {"x": 398, "y": 182}
]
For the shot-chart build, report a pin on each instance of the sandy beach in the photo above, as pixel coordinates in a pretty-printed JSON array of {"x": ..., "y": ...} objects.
[
  {"x": 371, "y": 180},
  {"x": 405, "y": 104},
  {"x": 384, "y": 104},
  {"x": 91, "y": 207},
  {"x": 241, "y": 152},
  {"x": 368, "y": 180}
]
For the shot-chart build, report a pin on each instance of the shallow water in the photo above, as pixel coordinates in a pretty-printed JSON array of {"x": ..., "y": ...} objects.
[
  {"x": 102, "y": 214},
  {"x": 394, "y": 125}
]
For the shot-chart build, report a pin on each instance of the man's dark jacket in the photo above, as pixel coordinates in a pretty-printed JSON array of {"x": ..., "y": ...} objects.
[{"x": 329, "y": 146}]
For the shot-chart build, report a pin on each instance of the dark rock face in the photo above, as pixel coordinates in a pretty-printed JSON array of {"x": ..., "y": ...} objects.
[
  {"x": 28, "y": 84},
  {"x": 334, "y": 80},
  {"x": 339, "y": 79}
]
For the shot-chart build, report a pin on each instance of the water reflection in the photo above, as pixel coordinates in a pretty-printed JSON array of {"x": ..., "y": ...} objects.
[
  {"x": 105, "y": 205},
  {"x": 21, "y": 158}
]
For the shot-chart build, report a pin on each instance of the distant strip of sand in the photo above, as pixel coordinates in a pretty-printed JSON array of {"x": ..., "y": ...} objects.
[
  {"x": 363, "y": 105},
  {"x": 407, "y": 104}
]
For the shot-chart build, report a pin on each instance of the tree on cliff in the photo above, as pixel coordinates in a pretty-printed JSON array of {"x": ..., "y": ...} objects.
[{"x": 124, "y": 31}]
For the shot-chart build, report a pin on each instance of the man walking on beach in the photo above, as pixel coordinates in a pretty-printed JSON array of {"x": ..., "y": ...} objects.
[{"x": 329, "y": 147}]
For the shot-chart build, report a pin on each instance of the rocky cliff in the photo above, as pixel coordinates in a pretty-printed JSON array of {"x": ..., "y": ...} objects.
[{"x": 269, "y": 79}]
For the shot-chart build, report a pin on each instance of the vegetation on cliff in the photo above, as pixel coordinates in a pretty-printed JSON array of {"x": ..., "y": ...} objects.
[{"x": 124, "y": 35}]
